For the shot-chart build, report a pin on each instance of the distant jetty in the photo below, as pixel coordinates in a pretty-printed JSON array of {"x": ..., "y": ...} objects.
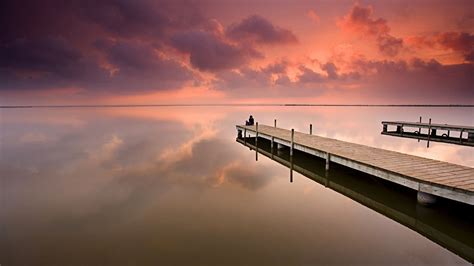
[{"x": 453, "y": 134}]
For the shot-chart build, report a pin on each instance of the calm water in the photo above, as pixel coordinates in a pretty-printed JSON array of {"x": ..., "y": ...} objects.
[{"x": 140, "y": 186}]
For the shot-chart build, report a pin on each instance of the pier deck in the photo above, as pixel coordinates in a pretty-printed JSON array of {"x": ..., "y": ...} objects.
[{"x": 434, "y": 177}]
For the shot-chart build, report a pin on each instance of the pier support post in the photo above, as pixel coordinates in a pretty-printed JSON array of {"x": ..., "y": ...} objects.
[
  {"x": 326, "y": 181},
  {"x": 280, "y": 146},
  {"x": 256, "y": 133},
  {"x": 256, "y": 141},
  {"x": 291, "y": 169},
  {"x": 399, "y": 129},
  {"x": 292, "y": 141},
  {"x": 245, "y": 135},
  {"x": 328, "y": 158},
  {"x": 311, "y": 129},
  {"x": 272, "y": 143},
  {"x": 426, "y": 199},
  {"x": 470, "y": 136}
]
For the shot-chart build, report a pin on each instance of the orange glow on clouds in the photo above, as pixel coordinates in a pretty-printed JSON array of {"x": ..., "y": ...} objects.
[{"x": 251, "y": 52}]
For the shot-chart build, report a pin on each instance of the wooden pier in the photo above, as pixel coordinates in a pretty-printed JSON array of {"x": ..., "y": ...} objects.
[
  {"x": 428, "y": 177},
  {"x": 453, "y": 134}
]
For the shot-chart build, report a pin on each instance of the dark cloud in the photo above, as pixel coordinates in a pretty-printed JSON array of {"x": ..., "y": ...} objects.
[
  {"x": 461, "y": 42},
  {"x": 143, "y": 18},
  {"x": 78, "y": 19},
  {"x": 33, "y": 19},
  {"x": 401, "y": 81},
  {"x": 389, "y": 45},
  {"x": 274, "y": 78},
  {"x": 470, "y": 56},
  {"x": 47, "y": 54},
  {"x": 120, "y": 44},
  {"x": 209, "y": 52},
  {"x": 360, "y": 20},
  {"x": 457, "y": 41},
  {"x": 258, "y": 29},
  {"x": 309, "y": 76},
  {"x": 331, "y": 70},
  {"x": 431, "y": 65},
  {"x": 45, "y": 62},
  {"x": 52, "y": 62},
  {"x": 417, "y": 80},
  {"x": 57, "y": 44},
  {"x": 139, "y": 65},
  {"x": 276, "y": 68},
  {"x": 249, "y": 78}
]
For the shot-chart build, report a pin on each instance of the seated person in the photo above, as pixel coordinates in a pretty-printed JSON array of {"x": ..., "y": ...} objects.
[{"x": 251, "y": 121}]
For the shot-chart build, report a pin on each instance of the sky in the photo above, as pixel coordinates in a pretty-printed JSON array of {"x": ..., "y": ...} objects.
[{"x": 228, "y": 51}]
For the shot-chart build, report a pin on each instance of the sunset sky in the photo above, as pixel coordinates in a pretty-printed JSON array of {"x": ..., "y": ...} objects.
[{"x": 162, "y": 52}]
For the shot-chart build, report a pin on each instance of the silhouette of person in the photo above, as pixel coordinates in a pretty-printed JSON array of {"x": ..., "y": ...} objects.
[{"x": 251, "y": 121}]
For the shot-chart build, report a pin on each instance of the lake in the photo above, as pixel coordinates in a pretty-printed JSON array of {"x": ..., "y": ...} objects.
[{"x": 170, "y": 185}]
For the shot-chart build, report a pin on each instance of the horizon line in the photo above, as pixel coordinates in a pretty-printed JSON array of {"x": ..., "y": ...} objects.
[{"x": 231, "y": 104}]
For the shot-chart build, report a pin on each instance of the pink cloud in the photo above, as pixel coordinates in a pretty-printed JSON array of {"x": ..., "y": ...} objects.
[
  {"x": 461, "y": 42},
  {"x": 258, "y": 29},
  {"x": 313, "y": 16},
  {"x": 360, "y": 20}
]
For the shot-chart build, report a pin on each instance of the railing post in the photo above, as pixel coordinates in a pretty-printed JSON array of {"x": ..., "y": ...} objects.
[
  {"x": 311, "y": 129},
  {"x": 419, "y": 130},
  {"x": 292, "y": 141},
  {"x": 429, "y": 134},
  {"x": 275, "y": 123}
]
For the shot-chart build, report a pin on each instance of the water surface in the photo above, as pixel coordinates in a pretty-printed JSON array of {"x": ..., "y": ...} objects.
[{"x": 144, "y": 185}]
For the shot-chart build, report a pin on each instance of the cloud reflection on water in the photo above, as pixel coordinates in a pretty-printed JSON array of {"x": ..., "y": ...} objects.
[{"x": 154, "y": 183}]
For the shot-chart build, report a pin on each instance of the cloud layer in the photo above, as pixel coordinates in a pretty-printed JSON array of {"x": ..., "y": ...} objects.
[{"x": 116, "y": 47}]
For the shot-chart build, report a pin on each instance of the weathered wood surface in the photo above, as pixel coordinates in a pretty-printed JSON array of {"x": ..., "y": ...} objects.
[{"x": 423, "y": 171}]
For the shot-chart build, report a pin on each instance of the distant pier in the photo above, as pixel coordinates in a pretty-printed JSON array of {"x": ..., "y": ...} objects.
[
  {"x": 430, "y": 178},
  {"x": 453, "y": 134}
]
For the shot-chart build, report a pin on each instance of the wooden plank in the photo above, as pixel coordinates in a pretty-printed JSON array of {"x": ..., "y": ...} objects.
[
  {"x": 460, "y": 181},
  {"x": 447, "y": 178},
  {"x": 465, "y": 174},
  {"x": 440, "y": 171}
]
